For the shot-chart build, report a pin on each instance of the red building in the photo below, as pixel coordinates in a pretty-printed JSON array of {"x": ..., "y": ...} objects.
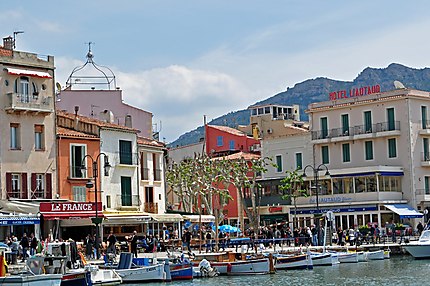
[{"x": 222, "y": 140}]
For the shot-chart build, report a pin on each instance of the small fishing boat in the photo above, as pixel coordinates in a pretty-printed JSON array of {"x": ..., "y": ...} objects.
[
  {"x": 420, "y": 249},
  {"x": 293, "y": 261},
  {"x": 137, "y": 274},
  {"x": 362, "y": 256},
  {"x": 181, "y": 271},
  {"x": 323, "y": 259},
  {"x": 103, "y": 277},
  {"x": 204, "y": 270},
  {"x": 347, "y": 257},
  {"x": 375, "y": 255}
]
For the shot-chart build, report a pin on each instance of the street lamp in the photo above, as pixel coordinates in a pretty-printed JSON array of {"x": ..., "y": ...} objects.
[
  {"x": 321, "y": 167},
  {"x": 90, "y": 185}
]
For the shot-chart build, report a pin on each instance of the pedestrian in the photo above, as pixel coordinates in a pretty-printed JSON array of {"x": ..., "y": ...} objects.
[
  {"x": 111, "y": 240},
  {"x": 133, "y": 244},
  {"x": 33, "y": 244},
  {"x": 420, "y": 228},
  {"x": 208, "y": 241},
  {"x": 89, "y": 242},
  {"x": 24, "y": 244},
  {"x": 186, "y": 241}
]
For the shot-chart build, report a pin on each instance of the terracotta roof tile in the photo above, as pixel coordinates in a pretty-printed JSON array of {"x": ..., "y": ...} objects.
[
  {"x": 228, "y": 130},
  {"x": 61, "y": 131},
  {"x": 150, "y": 142},
  {"x": 235, "y": 156}
]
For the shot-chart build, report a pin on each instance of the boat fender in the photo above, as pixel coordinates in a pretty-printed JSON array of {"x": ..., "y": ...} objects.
[{"x": 228, "y": 267}]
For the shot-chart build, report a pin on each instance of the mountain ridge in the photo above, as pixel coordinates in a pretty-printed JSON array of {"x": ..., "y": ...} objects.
[{"x": 318, "y": 89}]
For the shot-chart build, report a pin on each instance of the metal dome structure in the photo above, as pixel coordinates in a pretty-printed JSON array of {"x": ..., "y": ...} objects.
[{"x": 98, "y": 77}]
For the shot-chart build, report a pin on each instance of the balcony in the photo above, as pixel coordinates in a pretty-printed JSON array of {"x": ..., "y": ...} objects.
[
  {"x": 127, "y": 202},
  {"x": 357, "y": 132},
  {"x": 425, "y": 159},
  {"x": 157, "y": 175},
  {"x": 126, "y": 159},
  {"x": 151, "y": 208},
  {"x": 29, "y": 103},
  {"x": 422, "y": 195},
  {"x": 144, "y": 174}
]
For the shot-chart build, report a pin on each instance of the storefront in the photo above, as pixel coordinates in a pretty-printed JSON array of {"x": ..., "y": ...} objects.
[
  {"x": 70, "y": 219},
  {"x": 19, "y": 224}
]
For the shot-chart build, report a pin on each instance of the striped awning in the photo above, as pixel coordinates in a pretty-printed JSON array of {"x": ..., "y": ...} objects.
[
  {"x": 28, "y": 73},
  {"x": 19, "y": 220}
]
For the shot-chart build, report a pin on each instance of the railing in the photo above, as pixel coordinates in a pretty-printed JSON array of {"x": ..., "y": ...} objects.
[
  {"x": 356, "y": 130},
  {"x": 126, "y": 158},
  {"x": 425, "y": 156},
  {"x": 157, "y": 175},
  {"x": 127, "y": 200},
  {"x": 15, "y": 194},
  {"x": 17, "y": 101},
  {"x": 151, "y": 208},
  {"x": 422, "y": 192},
  {"x": 425, "y": 124}
]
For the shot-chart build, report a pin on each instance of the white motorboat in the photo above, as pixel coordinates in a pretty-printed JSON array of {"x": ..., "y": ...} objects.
[
  {"x": 154, "y": 272},
  {"x": 347, "y": 257},
  {"x": 375, "y": 255},
  {"x": 28, "y": 279},
  {"x": 103, "y": 277},
  {"x": 362, "y": 256},
  {"x": 420, "y": 249}
]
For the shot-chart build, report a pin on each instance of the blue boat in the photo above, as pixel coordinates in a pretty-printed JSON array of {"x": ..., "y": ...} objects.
[{"x": 181, "y": 271}]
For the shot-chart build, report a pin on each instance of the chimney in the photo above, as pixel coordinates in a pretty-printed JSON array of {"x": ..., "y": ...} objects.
[
  {"x": 76, "y": 117},
  {"x": 128, "y": 122},
  {"x": 8, "y": 43}
]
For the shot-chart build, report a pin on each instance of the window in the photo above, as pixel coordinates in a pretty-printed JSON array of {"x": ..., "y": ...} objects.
[
  {"x": 346, "y": 156},
  {"x": 156, "y": 166},
  {"x": 390, "y": 119},
  {"x": 324, "y": 127},
  {"x": 16, "y": 185},
  {"x": 424, "y": 117},
  {"x": 427, "y": 185},
  {"x": 144, "y": 170},
  {"x": 368, "y": 146},
  {"x": 389, "y": 184},
  {"x": 426, "y": 149},
  {"x": 125, "y": 154},
  {"x": 231, "y": 145},
  {"x": 368, "y": 121},
  {"x": 37, "y": 186},
  {"x": 392, "y": 151},
  {"x": 108, "y": 201},
  {"x": 267, "y": 110},
  {"x": 22, "y": 88},
  {"x": 15, "y": 136},
  {"x": 77, "y": 162},
  {"x": 126, "y": 191},
  {"x": 39, "y": 143},
  {"x": 79, "y": 193},
  {"x": 219, "y": 141},
  {"x": 279, "y": 163},
  {"x": 324, "y": 155},
  {"x": 345, "y": 124},
  {"x": 299, "y": 161}
]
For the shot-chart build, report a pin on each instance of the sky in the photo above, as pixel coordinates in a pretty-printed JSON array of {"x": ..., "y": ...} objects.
[{"x": 183, "y": 60}]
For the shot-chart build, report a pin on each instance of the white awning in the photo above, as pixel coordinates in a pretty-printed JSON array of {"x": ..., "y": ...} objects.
[
  {"x": 196, "y": 218},
  {"x": 125, "y": 218},
  {"x": 28, "y": 73},
  {"x": 404, "y": 211},
  {"x": 166, "y": 217}
]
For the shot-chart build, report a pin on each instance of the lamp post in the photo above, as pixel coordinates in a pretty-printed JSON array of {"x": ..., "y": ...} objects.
[
  {"x": 90, "y": 185},
  {"x": 321, "y": 167}
]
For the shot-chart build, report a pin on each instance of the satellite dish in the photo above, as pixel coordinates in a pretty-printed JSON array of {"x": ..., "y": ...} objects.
[{"x": 398, "y": 84}]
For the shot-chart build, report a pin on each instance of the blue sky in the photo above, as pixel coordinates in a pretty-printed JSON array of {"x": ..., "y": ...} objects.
[{"x": 185, "y": 59}]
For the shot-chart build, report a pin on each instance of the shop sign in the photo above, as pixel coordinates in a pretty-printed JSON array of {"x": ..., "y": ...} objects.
[
  {"x": 62, "y": 207},
  {"x": 329, "y": 200},
  {"x": 275, "y": 209},
  {"x": 354, "y": 92}
]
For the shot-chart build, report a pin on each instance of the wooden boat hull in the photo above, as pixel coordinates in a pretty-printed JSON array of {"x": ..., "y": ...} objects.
[
  {"x": 347, "y": 257},
  {"x": 375, "y": 255},
  {"x": 322, "y": 259},
  {"x": 290, "y": 262},
  {"x": 241, "y": 267},
  {"x": 181, "y": 271},
  {"x": 32, "y": 280},
  {"x": 78, "y": 278},
  {"x": 153, "y": 273}
]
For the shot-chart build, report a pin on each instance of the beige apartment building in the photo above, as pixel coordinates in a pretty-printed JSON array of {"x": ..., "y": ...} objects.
[
  {"x": 375, "y": 148},
  {"x": 27, "y": 145}
]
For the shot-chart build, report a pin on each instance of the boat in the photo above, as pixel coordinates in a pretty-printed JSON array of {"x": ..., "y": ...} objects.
[
  {"x": 135, "y": 274},
  {"x": 103, "y": 277},
  {"x": 375, "y": 255},
  {"x": 323, "y": 259},
  {"x": 362, "y": 256},
  {"x": 293, "y": 261},
  {"x": 420, "y": 249},
  {"x": 229, "y": 264},
  {"x": 31, "y": 275},
  {"x": 204, "y": 270},
  {"x": 347, "y": 257},
  {"x": 181, "y": 270}
]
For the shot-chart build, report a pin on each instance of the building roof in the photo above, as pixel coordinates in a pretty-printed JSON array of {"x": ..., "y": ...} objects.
[
  {"x": 228, "y": 130},
  {"x": 150, "y": 142},
  {"x": 239, "y": 155},
  {"x": 65, "y": 132},
  {"x": 97, "y": 122}
]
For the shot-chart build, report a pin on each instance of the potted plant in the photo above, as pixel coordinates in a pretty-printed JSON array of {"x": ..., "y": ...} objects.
[
  {"x": 364, "y": 229},
  {"x": 399, "y": 226}
]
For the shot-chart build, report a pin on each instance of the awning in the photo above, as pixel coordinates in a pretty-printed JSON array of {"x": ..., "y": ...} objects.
[
  {"x": 18, "y": 207},
  {"x": 28, "y": 73},
  {"x": 404, "y": 211},
  {"x": 125, "y": 218},
  {"x": 166, "y": 217},
  {"x": 373, "y": 173},
  {"x": 18, "y": 220},
  {"x": 196, "y": 218}
]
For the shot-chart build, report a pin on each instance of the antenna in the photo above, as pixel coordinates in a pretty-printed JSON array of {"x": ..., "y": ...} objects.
[{"x": 14, "y": 37}]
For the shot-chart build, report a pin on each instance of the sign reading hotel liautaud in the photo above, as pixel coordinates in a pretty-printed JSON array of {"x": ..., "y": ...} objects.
[{"x": 354, "y": 92}]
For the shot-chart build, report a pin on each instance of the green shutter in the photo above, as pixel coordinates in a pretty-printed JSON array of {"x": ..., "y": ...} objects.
[
  {"x": 426, "y": 149},
  {"x": 424, "y": 117},
  {"x": 369, "y": 150},
  {"x": 346, "y": 153},
  {"x": 126, "y": 191},
  {"x": 345, "y": 124},
  {"x": 368, "y": 121},
  {"x": 390, "y": 117},
  {"x": 125, "y": 153},
  {"x": 279, "y": 163},
  {"x": 324, "y": 127},
  {"x": 427, "y": 185},
  {"x": 392, "y": 152},
  {"x": 324, "y": 154},
  {"x": 299, "y": 163}
]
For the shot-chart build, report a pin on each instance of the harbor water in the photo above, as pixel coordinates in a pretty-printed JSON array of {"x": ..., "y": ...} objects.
[{"x": 399, "y": 270}]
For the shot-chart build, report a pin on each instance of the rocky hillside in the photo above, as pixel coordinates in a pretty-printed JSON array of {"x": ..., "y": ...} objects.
[{"x": 315, "y": 90}]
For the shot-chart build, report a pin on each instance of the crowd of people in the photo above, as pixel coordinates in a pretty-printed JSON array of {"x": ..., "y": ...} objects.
[{"x": 22, "y": 248}]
